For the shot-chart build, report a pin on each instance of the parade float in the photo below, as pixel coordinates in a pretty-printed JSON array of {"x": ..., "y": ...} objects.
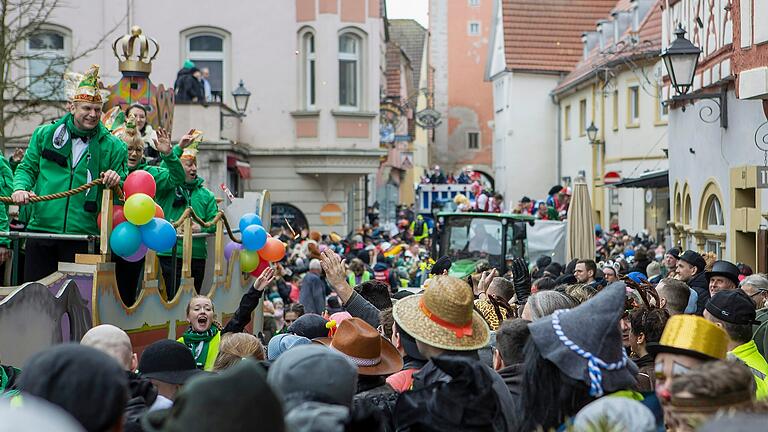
[{"x": 81, "y": 294}]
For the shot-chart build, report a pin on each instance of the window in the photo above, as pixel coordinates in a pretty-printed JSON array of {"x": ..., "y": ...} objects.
[
  {"x": 310, "y": 70},
  {"x": 474, "y": 3},
  {"x": 615, "y": 110},
  {"x": 473, "y": 29},
  {"x": 206, "y": 50},
  {"x": 633, "y": 106},
  {"x": 46, "y": 64},
  {"x": 582, "y": 117},
  {"x": 349, "y": 71},
  {"x": 567, "y": 122},
  {"x": 715, "y": 221},
  {"x": 473, "y": 140}
]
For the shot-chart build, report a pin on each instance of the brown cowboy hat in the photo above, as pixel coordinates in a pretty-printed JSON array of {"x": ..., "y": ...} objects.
[
  {"x": 360, "y": 343},
  {"x": 443, "y": 316}
]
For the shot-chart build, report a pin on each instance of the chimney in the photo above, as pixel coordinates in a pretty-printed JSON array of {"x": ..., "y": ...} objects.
[
  {"x": 590, "y": 41},
  {"x": 606, "y": 35}
]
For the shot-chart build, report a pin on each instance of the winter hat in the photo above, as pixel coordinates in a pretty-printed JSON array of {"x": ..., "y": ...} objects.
[
  {"x": 198, "y": 406},
  {"x": 310, "y": 326},
  {"x": 168, "y": 361},
  {"x": 339, "y": 317},
  {"x": 35, "y": 415},
  {"x": 653, "y": 269},
  {"x": 585, "y": 342},
  {"x": 620, "y": 413},
  {"x": 88, "y": 384},
  {"x": 313, "y": 373},
  {"x": 284, "y": 342},
  {"x": 188, "y": 64},
  {"x": 674, "y": 252},
  {"x": 441, "y": 265},
  {"x": 637, "y": 277}
]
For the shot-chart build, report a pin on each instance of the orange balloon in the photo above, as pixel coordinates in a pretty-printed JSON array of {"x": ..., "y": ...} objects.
[
  {"x": 159, "y": 213},
  {"x": 273, "y": 250}
]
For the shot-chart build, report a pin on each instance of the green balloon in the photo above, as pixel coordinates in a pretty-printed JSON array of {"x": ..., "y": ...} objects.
[{"x": 249, "y": 260}]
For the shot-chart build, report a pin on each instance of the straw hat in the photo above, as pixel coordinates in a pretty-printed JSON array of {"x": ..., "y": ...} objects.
[
  {"x": 692, "y": 336},
  {"x": 443, "y": 316},
  {"x": 360, "y": 343}
]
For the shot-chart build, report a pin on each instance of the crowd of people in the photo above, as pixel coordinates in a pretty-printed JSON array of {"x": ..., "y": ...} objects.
[{"x": 368, "y": 333}]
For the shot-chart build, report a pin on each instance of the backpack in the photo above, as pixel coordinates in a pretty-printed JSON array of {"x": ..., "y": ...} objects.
[{"x": 418, "y": 229}]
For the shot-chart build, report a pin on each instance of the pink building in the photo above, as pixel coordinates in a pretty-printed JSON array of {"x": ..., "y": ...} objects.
[{"x": 459, "y": 36}]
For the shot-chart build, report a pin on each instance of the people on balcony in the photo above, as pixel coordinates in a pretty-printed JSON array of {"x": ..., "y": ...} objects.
[
  {"x": 192, "y": 193},
  {"x": 167, "y": 178},
  {"x": 69, "y": 153}
]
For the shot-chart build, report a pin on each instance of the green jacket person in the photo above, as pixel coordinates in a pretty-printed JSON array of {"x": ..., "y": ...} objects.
[
  {"x": 6, "y": 188},
  {"x": 191, "y": 194},
  {"x": 167, "y": 178},
  {"x": 61, "y": 156}
]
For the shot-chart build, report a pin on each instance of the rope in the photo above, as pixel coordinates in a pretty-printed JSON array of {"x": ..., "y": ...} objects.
[
  {"x": 57, "y": 195},
  {"x": 594, "y": 363},
  {"x": 190, "y": 213}
]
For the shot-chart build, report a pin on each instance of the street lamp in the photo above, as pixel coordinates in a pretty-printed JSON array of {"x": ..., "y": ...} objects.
[
  {"x": 681, "y": 59},
  {"x": 592, "y": 133},
  {"x": 241, "y": 96}
]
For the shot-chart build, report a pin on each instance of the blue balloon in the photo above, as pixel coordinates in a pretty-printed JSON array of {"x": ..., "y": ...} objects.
[
  {"x": 249, "y": 219},
  {"x": 125, "y": 239},
  {"x": 158, "y": 234},
  {"x": 254, "y": 237}
]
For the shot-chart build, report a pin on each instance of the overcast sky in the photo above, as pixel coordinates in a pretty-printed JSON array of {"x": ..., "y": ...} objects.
[{"x": 414, "y": 9}]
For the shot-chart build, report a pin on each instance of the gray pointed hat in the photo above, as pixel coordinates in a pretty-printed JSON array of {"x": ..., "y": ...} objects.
[{"x": 585, "y": 342}]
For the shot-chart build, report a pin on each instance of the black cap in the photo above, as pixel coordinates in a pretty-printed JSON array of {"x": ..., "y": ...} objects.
[
  {"x": 525, "y": 200},
  {"x": 310, "y": 326},
  {"x": 442, "y": 264},
  {"x": 725, "y": 269},
  {"x": 732, "y": 306},
  {"x": 675, "y": 252},
  {"x": 168, "y": 361},
  {"x": 695, "y": 259},
  {"x": 84, "y": 381}
]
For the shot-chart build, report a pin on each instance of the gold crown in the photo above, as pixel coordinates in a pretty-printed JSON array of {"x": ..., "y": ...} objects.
[
  {"x": 135, "y": 49},
  {"x": 693, "y": 335}
]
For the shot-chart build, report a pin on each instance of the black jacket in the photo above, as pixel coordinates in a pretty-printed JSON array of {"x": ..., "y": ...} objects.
[
  {"x": 455, "y": 392},
  {"x": 142, "y": 395},
  {"x": 188, "y": 88},
  {"x": 242, "y": 315},
  {"x": 700, "y": 284},
  {"x": 513, "y": 378}
]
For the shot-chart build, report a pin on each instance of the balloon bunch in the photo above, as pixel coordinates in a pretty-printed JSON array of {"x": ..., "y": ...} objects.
[
  {"x": 139, "y": 224},
  {"x": 258, "y": 248}
]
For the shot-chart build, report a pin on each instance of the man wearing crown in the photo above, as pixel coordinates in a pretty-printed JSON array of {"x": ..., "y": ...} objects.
[{"x": 61, "y": 156}]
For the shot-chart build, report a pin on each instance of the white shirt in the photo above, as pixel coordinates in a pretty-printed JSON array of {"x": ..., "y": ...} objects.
[{"x": 78, "y": 150}]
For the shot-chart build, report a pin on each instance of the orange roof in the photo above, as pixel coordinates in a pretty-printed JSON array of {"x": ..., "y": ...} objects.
[
  {"x": 545, "y": 35},
  {"x": 648, "y": 43}
]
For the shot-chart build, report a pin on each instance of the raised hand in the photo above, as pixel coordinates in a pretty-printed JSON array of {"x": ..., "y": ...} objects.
[
  {"x": 265, "y": 279},
  {"x": 521, "y": 278},
  {"x": 163, "y": 141},
  {"x": 186, "y": 140},
  {"x": 336, "y": 274},
  {"x": 18, "y": 155}
]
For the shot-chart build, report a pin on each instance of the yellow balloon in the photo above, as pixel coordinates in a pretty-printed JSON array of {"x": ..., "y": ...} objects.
[
  {"x": 139, "y": 209},
  {"x": 249, "y": 260}
]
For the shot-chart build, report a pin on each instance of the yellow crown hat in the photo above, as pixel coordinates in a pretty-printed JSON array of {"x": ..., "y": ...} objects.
[
  {"x": 191, "y": 151},
  {"x": 692, "y": 336}
]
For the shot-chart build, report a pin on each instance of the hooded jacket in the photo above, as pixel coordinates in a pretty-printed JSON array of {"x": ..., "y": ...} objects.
[
  {"x": 202, "y": 201},
  {"x": 513, "y": 378},
  {"x": 47, "y": 168},
  {"x": 188, "y": 87},
  {"x": 699, "y": 284},
  {"x": 142, "y": 394}
]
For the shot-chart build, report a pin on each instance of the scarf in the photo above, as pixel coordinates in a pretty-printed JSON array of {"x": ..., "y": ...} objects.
[
  {"x": 199, "y": 343},
  {"x": 60, "y": 150}
]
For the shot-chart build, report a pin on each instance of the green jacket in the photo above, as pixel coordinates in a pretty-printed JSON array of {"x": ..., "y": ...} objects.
[
  {"x": 202, "y": 201},
  {"x": 6, "y": 189},
  {"x": 168, "y": 176},
  {"x": 749, "y": 354},
  {"x": 42, "y": 172}
]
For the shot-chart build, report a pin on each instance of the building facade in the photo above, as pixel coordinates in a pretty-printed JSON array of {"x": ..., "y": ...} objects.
[
  {"x": 459, "y": 32},
  {"x": 534, "y": 46},
  {"x": 717, "y": 198},
  {"x": 617, "y": 88},
  {"x": 314, "y": 70}
]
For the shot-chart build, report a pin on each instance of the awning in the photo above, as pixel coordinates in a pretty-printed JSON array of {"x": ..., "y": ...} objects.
[
  {"x": 243, "y": 169},
  {"x": 652, "y": 180}
]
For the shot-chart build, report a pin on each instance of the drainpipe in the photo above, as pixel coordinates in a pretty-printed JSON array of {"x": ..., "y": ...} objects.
[{"x": 559, "y": 141}]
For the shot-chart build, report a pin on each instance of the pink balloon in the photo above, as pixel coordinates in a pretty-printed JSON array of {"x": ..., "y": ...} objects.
[{"x": 139, "y": 255}]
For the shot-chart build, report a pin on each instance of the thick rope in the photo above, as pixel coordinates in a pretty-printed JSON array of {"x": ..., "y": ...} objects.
[
  {"x": 190, "y": 213},
  {"x": 57, "y": 195}
]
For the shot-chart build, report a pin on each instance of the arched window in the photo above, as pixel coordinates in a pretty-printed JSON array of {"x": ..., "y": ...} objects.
[
  {"x": 284, "y": 214},
  {"x": 47, "y": 52},
  {"x": 350, "y": 76},
  {"x": 715, "y": 221},
  {"x": 208, "y": 48},
  {"x": 310, "y": 70}
]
